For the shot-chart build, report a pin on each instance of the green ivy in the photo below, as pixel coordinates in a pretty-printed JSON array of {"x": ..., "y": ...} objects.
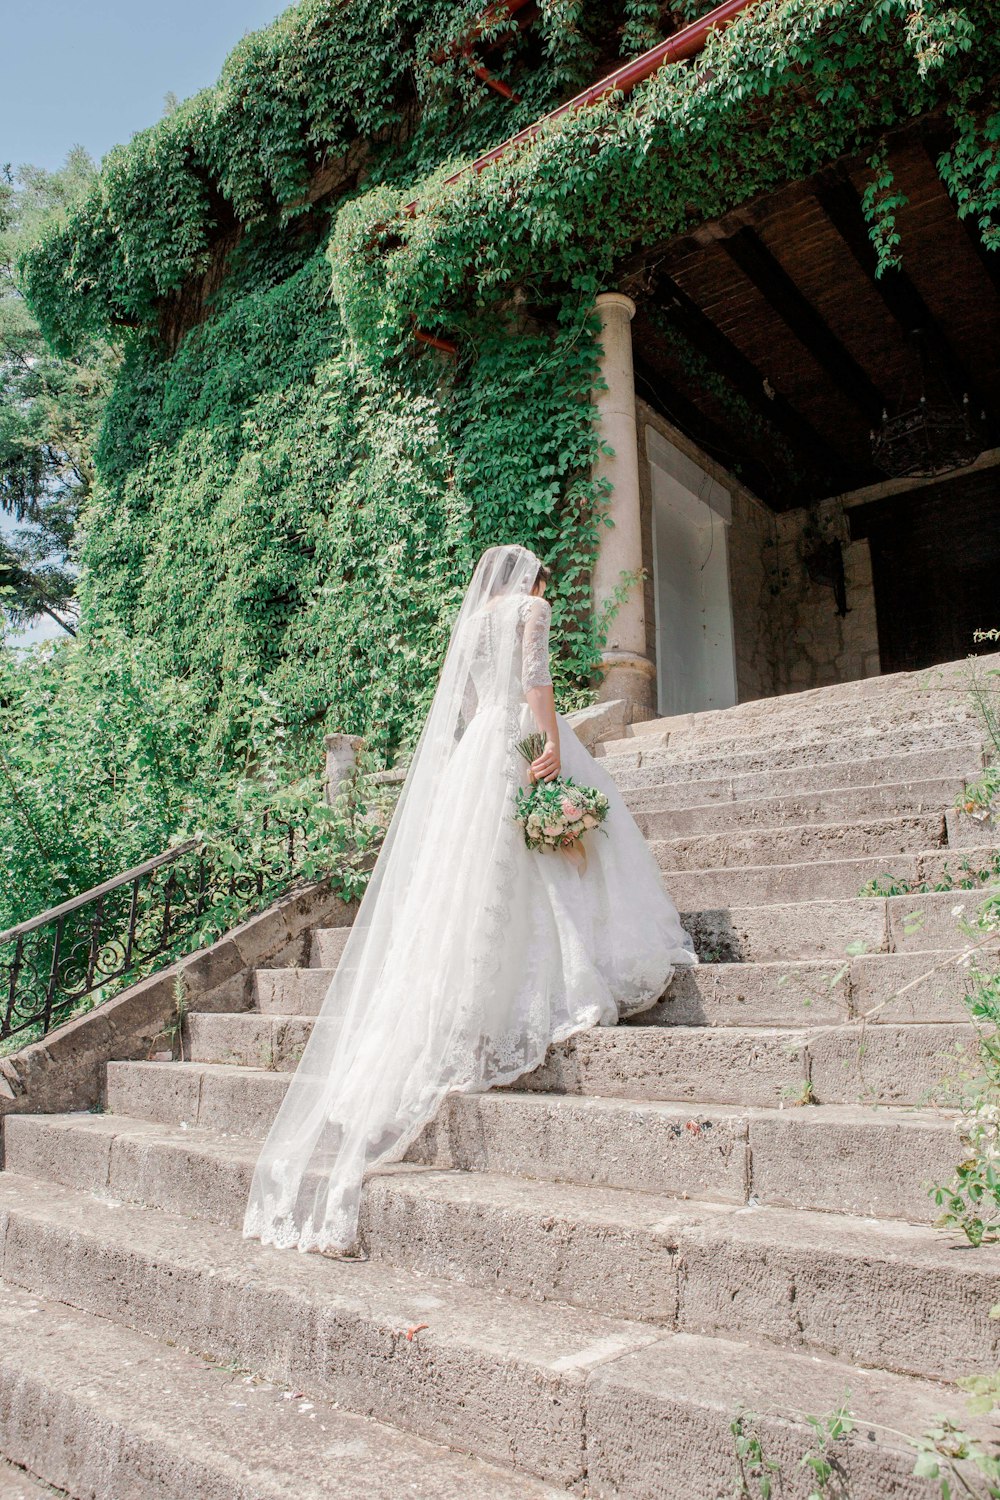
[{"x": 288, "y": 505}]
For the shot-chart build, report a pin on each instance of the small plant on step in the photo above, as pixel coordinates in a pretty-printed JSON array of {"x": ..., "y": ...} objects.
[
  {"x": 174, "y": 1028},
  {"x": 798, "y": 1096},
  {"x": 758, "y": 1475},
  {"x": 971, "y": 1201},
  {"x": 753, "y": 1467}
]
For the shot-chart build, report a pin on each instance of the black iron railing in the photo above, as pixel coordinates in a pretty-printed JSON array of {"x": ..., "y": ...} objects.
[{"x": 133, "y": 924}]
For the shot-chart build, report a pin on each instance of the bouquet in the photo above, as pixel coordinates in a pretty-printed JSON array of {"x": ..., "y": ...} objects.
[{"x": 556, "y": 814}]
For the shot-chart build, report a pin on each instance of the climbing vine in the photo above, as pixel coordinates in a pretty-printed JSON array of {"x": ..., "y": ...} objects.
[{"x": 290, "y": 500}]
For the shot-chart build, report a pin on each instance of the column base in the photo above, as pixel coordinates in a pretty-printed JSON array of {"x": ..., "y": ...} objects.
[{"x": 630, "y": 677}]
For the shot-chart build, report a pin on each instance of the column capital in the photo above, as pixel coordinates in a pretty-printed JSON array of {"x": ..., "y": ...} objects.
[{"x": 615, "y": 299}]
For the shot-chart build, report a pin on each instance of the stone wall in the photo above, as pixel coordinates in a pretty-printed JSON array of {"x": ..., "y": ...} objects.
[{"x": 822, "y": 646}]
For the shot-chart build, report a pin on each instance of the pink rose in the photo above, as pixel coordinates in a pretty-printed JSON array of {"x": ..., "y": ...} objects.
[
  {"x": 570, "y": 811},
  {"x": 552, "y": 833}
]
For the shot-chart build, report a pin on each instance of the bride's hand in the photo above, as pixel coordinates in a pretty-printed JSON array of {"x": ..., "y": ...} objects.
[{"x": 547, "y": 766}]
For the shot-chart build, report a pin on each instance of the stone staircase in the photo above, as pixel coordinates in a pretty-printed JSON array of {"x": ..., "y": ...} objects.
[{"x": 574, "y": 1284}]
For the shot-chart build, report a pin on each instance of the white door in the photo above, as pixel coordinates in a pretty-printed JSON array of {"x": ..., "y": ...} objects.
[{"x": 695, "y": 658}]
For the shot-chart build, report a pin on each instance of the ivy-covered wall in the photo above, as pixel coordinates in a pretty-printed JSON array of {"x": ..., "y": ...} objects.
[{"x": 291, "y": 501}]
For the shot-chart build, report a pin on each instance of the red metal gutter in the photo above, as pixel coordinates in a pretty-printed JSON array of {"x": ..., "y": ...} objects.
[{"x": 677, "y": 48}]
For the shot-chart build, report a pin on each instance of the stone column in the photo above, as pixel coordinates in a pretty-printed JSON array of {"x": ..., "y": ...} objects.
[
  {"x": 627, "y": 671},
  {"x": 341, "y": 759}
]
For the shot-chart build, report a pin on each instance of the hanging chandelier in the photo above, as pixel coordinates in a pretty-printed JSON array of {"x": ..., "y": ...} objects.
[{"x": 933, "y": 435}]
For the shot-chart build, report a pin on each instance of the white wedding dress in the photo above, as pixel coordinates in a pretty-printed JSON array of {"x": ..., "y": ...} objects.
[{"x": 470, "y": 954}]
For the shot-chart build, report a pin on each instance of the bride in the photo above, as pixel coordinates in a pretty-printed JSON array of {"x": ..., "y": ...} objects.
[{"x": 470, "y": 954}]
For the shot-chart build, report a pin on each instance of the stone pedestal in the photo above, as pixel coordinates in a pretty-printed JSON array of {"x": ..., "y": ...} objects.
[
  {"x": 627, "y": 671},
  {"x": 341, "y": 759}
]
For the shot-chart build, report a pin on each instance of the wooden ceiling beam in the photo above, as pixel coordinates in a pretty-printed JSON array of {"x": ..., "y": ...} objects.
[
  {"x": 815, "y": 451},
  {"x": 840, "y": 201},
  {"x": 751, "y": 256}
]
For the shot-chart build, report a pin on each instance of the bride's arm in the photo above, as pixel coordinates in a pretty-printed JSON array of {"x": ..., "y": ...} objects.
[
  {"x": 536, "y": 681},
  {"x": 542, "y": 702}
]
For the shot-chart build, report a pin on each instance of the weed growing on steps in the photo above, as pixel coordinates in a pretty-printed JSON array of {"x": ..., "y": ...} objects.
[
  {"x": 949, "y": 1458},
  {"x": 971, "y": 1201},
  {"x": 174, "y": 1028},
  {"x": 965, "y": 879}
]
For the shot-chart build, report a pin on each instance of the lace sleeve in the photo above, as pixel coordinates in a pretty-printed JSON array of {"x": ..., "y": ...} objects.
[{"x": 535, "y": 646}]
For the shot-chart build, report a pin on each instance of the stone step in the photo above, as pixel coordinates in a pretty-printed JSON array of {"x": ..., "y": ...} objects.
[
  {"x": 649, "y": 787},
  {"x": 250, "y": 1039},
  {"x": 851, "y": 1159},
  {"x": 815, "y": 880},
  {"x": 793, "y": 844},
  {"x": 871, "y": 1162},
  {"x": 749, "y": 1065},
  {"x": 945, "y": 684},
  {"x": 835, "y": 805},
  {"x": 890, "y": 1063},
  {"x": 838, "y": 929},
  {"x": 780, "y": 993},
  {"x": 941, "y": 725},
  {"x": 16, "y": 1484},
  {"x": 112, "y": 1414},
  {"x": 705, "y": 764},
  {"x": 698, "y": 1267},
  {"x": 327, "y": 946},
  {"x": 546, "y": 1389},
  {"x": 763, "y": 1274},
  {"x": 884, "y": 986},
  {"x": 294, "y": 992},
  {"x": 789, "y": 930}
]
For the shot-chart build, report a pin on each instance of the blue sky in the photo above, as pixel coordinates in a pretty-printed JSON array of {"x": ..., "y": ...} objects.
[{"x": 92, "y": 72}]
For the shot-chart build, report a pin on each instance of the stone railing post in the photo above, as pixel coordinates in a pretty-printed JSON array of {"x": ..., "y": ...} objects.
[
  {"x": 627, "y": 671},
  {"x": 341, "y": 759}
]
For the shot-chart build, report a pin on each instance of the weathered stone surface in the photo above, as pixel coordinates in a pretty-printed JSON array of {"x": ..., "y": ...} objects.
[
  {"x": 789, "y": 930},
  {"x": 17, "y": 1484},
  {"x": 734, "y": 1065},
  {"x": 658, "y": 1421},
  {"x": 796, "y": 844},
  {"x": 833, "y": 805},
  {"x": 114, "y": 1415},
  {"x": 869, "y": 1161},
  {"x": 784, "y": 993},
  {"x": 242, "y": 1101},
  {"x": 800, "y": 733},
  {"x": 792, "y": 884},
  {"x": 887, "y": 1064},
  {"x": 291, "y": 992},
  {"x": 897, "y": 987},
  {"x": 815, "y": 1280},
  {"x": 660, "y": 1148},
  {"x": 600, "y": 722},
  {"x": 654, "y": 790},
  {"x": 503, "y": 1381},
  {"x": 249, "y": 1041},
  {"x": 327, "y": 946},
  {"x": 783, "y": 754}
]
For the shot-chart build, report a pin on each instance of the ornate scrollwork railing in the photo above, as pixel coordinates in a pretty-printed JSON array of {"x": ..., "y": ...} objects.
[{"x": 131, "y": 925}]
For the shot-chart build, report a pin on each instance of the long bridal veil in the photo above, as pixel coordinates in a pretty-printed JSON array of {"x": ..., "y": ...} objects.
[{"x": 430, "y": 994}]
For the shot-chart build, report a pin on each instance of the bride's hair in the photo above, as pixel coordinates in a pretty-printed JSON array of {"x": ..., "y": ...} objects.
[
  {"x": 510, "y": 564},
  {"x": 544, "y": 575}
]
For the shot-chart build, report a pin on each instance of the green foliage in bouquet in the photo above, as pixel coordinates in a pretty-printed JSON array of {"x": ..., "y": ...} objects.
[{"x": 556, "y": 814}]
